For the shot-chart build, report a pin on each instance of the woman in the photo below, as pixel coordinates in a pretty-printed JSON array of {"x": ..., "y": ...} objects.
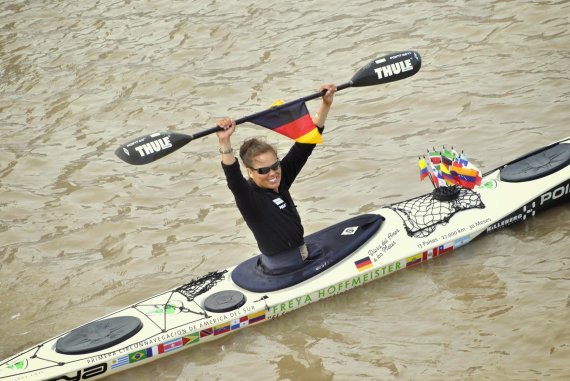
[{"x": 264, "y": 201}]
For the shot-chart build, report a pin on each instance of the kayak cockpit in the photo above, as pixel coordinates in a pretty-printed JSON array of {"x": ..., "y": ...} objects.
[
  {"x": 537, "y": 164},
  {"x": 326, "y": 248}
]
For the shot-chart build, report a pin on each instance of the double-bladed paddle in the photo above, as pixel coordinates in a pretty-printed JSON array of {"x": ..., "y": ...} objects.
[{"x": 392, "y": 67}]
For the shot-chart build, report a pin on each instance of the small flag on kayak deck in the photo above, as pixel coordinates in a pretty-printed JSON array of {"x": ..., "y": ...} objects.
[
  {"x": 206, "y": 332},
  {"x": 466, "y": 177},
  {"x": 140, "y": 355},
  {"x": 462, "y": 159},
  {"x": 449, "y": 179},
  {"x": 450, "y": 168},
  {"x": 363, "y": 264},
  {"x": 445, "y": 248},
  {"x": 292, "y": 121},
  {"x": 424, "y": 172},
  {"x": 437, "y": 177},
  {"x": 256, "y": 317},
  {"x": 120, "y": 362},
  {"x": 429, "y": 254},
  {"x": 222, "y": 328},
  {"x": 170, "y": 346},
  {"x": 239, "y": 323},
  {"x": 434, "y": 157},
  {"x": 446, "y": 161},
  {"x": 414, "y": 259},
  {"x": 447, "y": 154},
  {"x": 191, "y": 338}
]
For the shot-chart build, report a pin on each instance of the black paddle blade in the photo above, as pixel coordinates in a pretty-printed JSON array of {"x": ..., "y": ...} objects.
[
  {"x": 152, "y": 147},
  {"x": 392, "y": 67}
]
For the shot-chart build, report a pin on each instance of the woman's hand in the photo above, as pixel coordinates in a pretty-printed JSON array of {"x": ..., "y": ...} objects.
[
  {"x": 321, "y": 115},
  {"x": 329, "y": 95},
  {"x": 229, "y": 126}
]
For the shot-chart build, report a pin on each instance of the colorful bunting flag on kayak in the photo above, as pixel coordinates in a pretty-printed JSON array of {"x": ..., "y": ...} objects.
[
  {"x": 467, "y": 177},
  {"x": 293, "y": 121},
  {"x": 438, "y": 178},
  {"x": 424, "y": 172},
  {"x": 447, "y": 176},
  {"x": 449, "y": 168},
  {"x": 446, "y": 161},
  {"x": 447, "y": 154},
  {"x": 434, "y": 157},
  {"x": 462, "y": 159}
]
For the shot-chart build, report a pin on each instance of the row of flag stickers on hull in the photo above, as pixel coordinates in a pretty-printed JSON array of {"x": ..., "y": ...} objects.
[{"x": 448, "y": 168}]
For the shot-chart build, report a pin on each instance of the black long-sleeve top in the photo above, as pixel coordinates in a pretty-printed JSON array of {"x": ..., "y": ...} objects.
[{"x": 271, "y": 216}]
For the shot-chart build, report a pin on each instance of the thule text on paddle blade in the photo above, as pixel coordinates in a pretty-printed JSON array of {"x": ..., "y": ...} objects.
[
  {"x": 392, "y": 67},
  {"x": 149, "y": 148}
]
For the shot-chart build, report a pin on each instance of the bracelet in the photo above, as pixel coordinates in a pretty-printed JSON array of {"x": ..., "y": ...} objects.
[{"x": 229, "y": 150}]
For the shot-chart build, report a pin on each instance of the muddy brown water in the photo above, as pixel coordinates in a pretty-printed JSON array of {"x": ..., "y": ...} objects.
[{"x": 83, "y": 234}]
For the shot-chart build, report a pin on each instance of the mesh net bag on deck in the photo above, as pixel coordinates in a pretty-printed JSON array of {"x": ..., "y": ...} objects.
[{"x": 421, "y": 215}]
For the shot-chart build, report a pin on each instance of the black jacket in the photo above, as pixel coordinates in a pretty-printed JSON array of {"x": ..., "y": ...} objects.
[{"x": 271, "y": 216}]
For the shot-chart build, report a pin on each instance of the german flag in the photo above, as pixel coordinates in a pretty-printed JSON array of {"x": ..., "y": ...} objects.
[
  {"x": 363, "y": 264},
  {"x": 292, "y": 120}
]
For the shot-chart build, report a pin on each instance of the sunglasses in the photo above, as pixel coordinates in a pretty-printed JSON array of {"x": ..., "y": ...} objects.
[{"x": 266, "y": 170}]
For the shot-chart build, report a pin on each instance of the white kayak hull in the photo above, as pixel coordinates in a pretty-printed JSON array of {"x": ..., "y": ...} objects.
[{"x": 171, "y": 322}]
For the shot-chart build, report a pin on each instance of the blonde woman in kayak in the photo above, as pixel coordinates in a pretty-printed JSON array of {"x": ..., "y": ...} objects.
[{"x": 263, "y": 199}]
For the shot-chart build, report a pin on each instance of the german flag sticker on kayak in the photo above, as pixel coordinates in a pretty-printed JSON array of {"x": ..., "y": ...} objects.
[{"x": 363, "y": 264}]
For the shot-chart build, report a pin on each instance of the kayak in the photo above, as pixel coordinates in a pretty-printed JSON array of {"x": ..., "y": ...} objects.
[{"x": 343, "y": 256}]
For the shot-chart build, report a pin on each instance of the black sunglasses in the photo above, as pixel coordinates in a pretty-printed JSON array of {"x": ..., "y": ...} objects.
[{"x": 265, "y": 170}]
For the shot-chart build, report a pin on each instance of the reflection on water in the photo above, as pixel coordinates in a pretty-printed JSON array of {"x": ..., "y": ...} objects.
[{"x": 82, "y": 234}]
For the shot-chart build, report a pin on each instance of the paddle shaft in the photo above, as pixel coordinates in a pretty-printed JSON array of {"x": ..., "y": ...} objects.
[
  {"x": 386, "y": 69},
  {"x": 247, "y": 118}
]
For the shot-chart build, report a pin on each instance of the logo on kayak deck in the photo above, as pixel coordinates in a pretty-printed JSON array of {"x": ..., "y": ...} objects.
[
  {"x": 491, "y": 184},
  {"x": 171, "y": 308},
  {"x": 350, "y": 230},
  {"x": 18, "y": 365},
  {"x": 154, "y": 146},
  {"x": 540, "y": 203},
  {"x": 393, "y": 69},
  {"x": 555, "y": 194},
  {"x": 87, "y": 373}
]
